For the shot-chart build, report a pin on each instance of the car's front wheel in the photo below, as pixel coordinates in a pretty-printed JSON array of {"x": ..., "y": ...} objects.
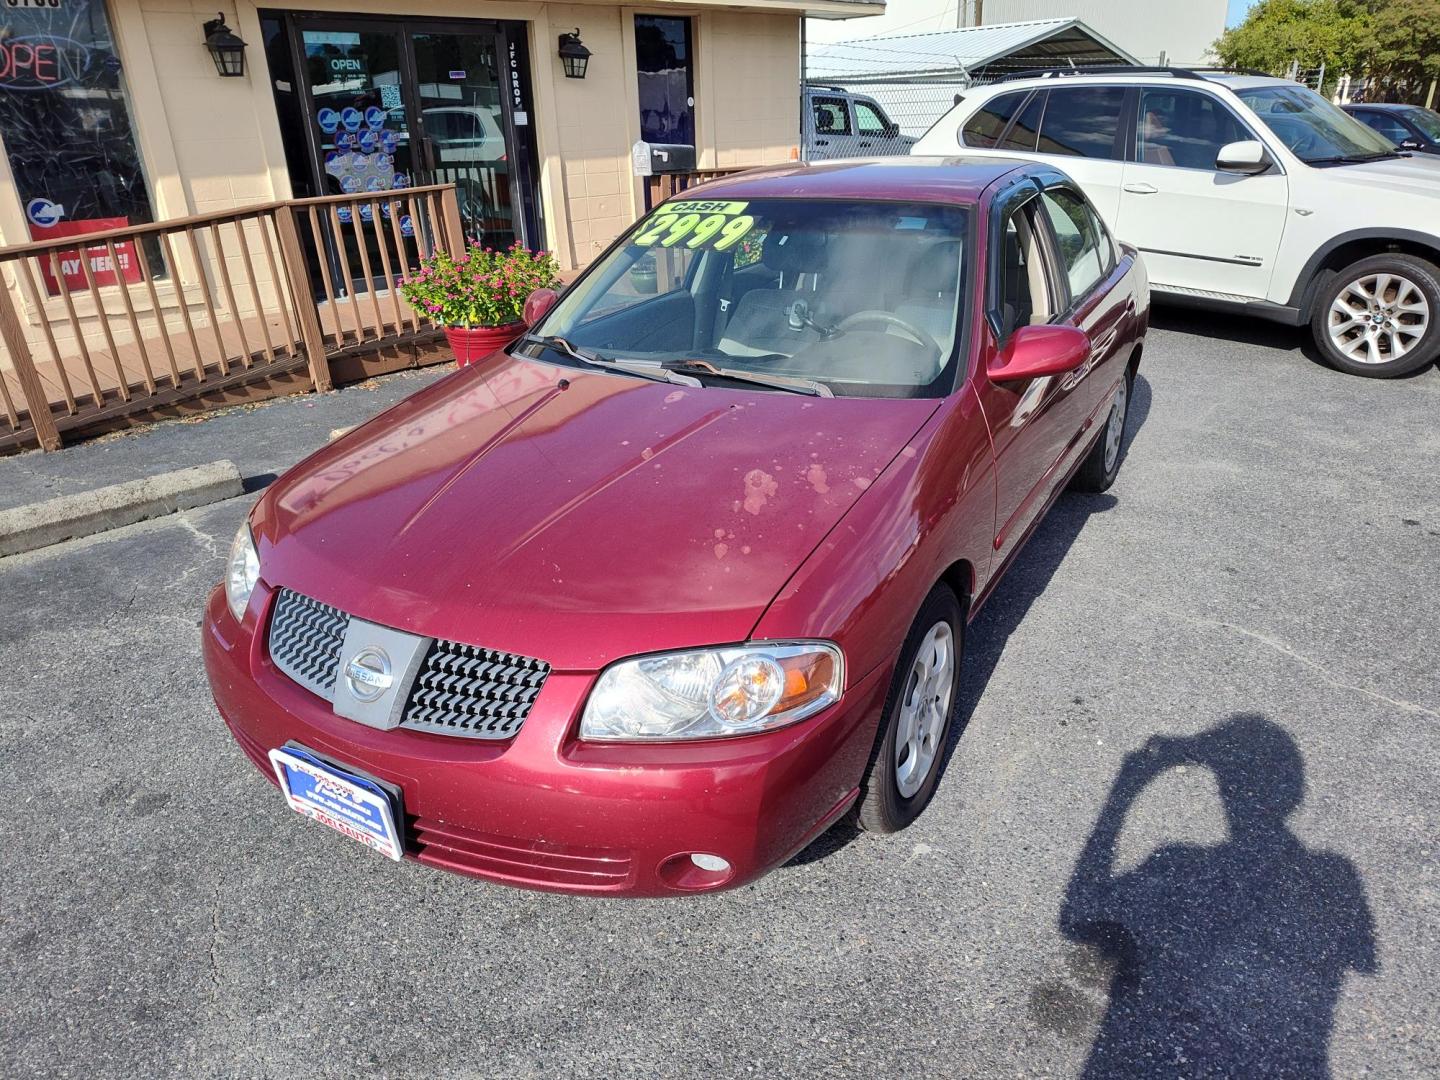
[
  {"x": 905, "y": 764},
  {"x": 1380, "y": 317}
]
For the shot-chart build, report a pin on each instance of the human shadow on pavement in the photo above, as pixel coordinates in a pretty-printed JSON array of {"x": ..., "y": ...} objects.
[
  {"x": 986, "y": 637},
  {"x": 1223, "y": 960}
]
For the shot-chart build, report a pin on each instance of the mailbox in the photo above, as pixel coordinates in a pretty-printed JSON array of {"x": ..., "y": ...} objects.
[{"x": 648, "y": 159}]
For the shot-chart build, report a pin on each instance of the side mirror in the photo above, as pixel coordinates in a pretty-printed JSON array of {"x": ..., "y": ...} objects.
[
  {"x": 1247, "y": 156},
  {"x": 1410, "y": 144},
  {"x": 1036, "y": 351},
  {"x": 891, "y": 130},
  {"x": 538, "y": 305}
]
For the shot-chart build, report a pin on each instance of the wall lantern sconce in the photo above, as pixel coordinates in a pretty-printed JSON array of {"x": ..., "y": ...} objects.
[
  {"x": 225, "y": 47},
  {"x": 574, "y": 56}
]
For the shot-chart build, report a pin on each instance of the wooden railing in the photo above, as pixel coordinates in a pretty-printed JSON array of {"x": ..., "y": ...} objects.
[
  {"x": 662, "y": 186},
  {"x": 115, "y": 323}
]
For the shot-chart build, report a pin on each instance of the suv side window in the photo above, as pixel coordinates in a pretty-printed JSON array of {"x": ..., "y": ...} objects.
[
  {"x": 1184, "y": 129},
  {"x": 1085, "y": 252},
  {"x": 1024, "y": 134},
  {"x": 983, "y": 130},
  {"x": 867, "y": 120},
  {"x": 831, "y": 116},
  {"x": 1083, "y": 121}
]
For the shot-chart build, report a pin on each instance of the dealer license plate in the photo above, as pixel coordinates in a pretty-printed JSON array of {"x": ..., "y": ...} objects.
[{"x": 354, "y": 805}]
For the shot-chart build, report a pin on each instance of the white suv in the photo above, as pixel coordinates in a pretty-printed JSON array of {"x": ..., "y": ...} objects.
[{"x": 1244, "y": 192}]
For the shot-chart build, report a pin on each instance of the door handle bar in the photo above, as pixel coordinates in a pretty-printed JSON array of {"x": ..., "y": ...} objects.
[{"x": 1141, "y": 189}]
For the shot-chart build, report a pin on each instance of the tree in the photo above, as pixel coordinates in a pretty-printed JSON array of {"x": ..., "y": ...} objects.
[
  {"x": 1406, "y": 47},
  {"x": 1277, "y": 33}
]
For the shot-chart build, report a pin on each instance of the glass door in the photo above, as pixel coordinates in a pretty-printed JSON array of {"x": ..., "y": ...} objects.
[
  {"x": 461, "y": 98},
  {"x": 361, "y": 121}
]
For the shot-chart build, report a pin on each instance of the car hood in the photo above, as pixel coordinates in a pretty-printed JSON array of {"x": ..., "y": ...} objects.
[
  {"x": 575, "y": 516},
  {"x": 1418, "y": 175}
]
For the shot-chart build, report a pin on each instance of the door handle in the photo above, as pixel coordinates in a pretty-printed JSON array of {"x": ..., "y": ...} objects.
[
  {"x": 822, "y": 142},
  {"x": 867, "y": 142},
  {"x": 1141, "y": 189}
]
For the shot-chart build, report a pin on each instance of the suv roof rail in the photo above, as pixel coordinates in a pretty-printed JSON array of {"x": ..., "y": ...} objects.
[
  {"x": 1221, "y": 69},
  {"x": 1101, "y": 69},
  {"x": 823, "y": 86}
]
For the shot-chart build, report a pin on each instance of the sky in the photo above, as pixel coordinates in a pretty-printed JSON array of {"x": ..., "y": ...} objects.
[{"x": 1236, "y": 15}]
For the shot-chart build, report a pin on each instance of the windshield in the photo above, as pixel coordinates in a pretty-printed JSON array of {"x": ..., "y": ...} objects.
[
  {"x": 1316, "y": 131},
  {"x": 1427, "y": 120},
  {"x": 862, "y": 297}
]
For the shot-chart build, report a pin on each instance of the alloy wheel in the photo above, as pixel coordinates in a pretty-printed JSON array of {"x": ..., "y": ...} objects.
[
  {"x": 1378, "y": 318},
  {"x": 929, "y": 694},
  {"x": 1115, "y": 428}
]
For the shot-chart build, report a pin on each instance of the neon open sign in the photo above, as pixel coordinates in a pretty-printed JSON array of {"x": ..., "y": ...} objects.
[{"x": 41, "y": 62}]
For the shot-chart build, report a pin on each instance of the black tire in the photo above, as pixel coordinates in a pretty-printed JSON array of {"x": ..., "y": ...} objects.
[
  {"x": 1099, "y": 469},
  {"x": 882, "y": 806},
  {"x": 1422, "y": 277}
]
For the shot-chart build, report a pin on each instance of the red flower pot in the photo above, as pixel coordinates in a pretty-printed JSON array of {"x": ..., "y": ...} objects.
[{"x": 472, "y": 344}]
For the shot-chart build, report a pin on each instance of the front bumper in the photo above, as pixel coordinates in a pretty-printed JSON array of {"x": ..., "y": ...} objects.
[{"x": 546, "y": 811}]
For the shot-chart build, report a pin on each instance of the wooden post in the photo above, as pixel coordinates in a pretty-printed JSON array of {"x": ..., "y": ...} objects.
[
  {"x": 454, "y": 227},
  {"x": 37, "y": 402},
  {"x": 305, "y": 311}
]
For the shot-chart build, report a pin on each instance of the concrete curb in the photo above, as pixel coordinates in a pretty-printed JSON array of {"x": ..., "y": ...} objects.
[{"x": 68, "y": 517}]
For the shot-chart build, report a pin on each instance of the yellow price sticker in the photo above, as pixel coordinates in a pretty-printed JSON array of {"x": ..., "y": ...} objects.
[
  {"x": 704, "y": 206},
  {"x": 698, "y": 230}
]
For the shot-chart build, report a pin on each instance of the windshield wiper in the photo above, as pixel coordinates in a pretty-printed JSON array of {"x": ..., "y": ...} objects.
[
  {"x": 794, "y": 385},
  {"x": 653, "y": 372},
  {"x": 1354, "y": 159}
]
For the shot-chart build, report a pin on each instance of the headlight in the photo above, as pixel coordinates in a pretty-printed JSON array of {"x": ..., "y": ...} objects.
[
  {"x": 711, "y": 693},
  {"x": 241, "y": 572}
]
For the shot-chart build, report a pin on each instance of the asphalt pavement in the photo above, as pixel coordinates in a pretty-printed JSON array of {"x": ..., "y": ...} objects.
[{"x": 1189, "y": 829}]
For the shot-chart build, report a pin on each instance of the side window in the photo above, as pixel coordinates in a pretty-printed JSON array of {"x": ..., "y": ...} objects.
[
  {"x": 1084, "y": 252},
  {"x": 1082, "y": 121},
  {"x": 1024, "y": 134},
  {"x": 1184, "y": 129},
  {"x": 983, "y": 130},
  {"x": 1388, "y": 126},
  {"x": 1022, "y": 292},
  {"x": 867, "y": 120},
  {"x": 831, "y": 117}
]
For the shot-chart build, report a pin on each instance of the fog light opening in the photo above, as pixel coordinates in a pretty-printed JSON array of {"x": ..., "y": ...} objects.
[{"x": 696, "y": 870}]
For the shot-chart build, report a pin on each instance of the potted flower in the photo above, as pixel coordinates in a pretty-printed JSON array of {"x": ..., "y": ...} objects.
[
  {"x": 644, "y": 277},
  {"x": 479, "y": 296}
]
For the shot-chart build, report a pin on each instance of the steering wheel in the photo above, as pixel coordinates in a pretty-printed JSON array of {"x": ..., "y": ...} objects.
[{"x": 885, "y": 318}]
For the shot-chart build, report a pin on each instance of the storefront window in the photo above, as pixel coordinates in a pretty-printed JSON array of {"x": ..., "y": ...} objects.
[{"x": 66, "y": 129}]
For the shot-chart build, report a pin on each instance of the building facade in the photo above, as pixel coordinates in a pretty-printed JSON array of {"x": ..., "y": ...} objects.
[{"x": 113, "y": 111}]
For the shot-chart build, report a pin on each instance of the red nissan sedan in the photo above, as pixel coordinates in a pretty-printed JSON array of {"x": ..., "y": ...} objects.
[{"x": 645, "y": 603}]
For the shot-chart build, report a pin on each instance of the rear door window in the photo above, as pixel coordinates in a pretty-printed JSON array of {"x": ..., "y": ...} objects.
[
  {"x": 983, "y": 130},
  {"x": 831, "y": 116},
  {"x": 1083, "y": 121}
]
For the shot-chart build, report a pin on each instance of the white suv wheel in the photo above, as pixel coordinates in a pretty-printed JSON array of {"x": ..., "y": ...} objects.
[{"x": 1378, "y": 318}]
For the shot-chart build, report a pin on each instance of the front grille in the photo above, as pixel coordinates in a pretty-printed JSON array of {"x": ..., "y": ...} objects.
[
  {"x": 470, "y": 691},
  {"x": 305, "y": 640},
  {"x": 462, "y": 690}
]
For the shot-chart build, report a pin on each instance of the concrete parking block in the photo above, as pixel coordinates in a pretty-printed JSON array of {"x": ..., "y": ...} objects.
[{"x": 67, "y": 517}]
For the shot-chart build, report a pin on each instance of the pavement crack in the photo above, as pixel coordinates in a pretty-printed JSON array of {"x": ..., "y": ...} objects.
[
  {"x": 1282, "y": 647},
  {"x": 206, "y": 540}
]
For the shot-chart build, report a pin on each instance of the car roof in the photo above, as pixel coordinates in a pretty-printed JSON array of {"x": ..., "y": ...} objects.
[
  {"x": 1177, "y": 77},
  {"x": 954, "y": 179}
]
